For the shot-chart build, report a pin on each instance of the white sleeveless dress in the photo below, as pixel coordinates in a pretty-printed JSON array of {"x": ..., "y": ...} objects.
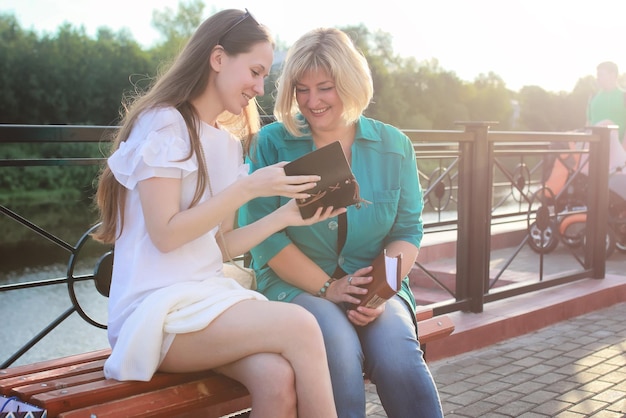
[{"x": 156, "y": 295}]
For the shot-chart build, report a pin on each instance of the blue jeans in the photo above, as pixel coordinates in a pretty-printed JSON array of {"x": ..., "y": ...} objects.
[{"x": 387, "y": 350}]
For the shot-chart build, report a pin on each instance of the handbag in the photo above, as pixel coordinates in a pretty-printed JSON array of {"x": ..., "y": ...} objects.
[
  {"x": 245, "y": 276},
  {"x": 12, "y": 407}
]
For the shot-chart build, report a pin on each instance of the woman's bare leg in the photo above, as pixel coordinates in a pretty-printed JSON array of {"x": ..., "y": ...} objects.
[
  {"x": 271, "y": 382},
  {"x": 253, "y": 327}
]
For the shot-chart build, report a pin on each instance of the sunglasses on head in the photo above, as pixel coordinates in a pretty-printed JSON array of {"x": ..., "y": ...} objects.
[{"x": 243, "y": 17}]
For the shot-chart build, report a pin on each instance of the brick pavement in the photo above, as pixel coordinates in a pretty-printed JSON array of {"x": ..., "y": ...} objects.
[{"x": 572, "y": 369}]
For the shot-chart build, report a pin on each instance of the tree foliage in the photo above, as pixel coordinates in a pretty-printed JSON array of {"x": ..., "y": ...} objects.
[
  {"x": 66, "y": 79},
  {"x": 175, "y": 28},
  {"x": 70, "y": 78}
]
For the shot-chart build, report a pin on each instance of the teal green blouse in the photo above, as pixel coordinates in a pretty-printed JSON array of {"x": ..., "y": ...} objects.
[{"x": 383, "y": 162}]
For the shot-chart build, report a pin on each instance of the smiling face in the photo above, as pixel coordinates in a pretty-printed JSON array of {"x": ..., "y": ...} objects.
[
  {"x": 241, "y": 77},
  {"x": 319, "y": 102}
]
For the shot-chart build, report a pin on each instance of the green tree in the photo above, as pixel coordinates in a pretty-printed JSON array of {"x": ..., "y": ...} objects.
[
  {"x": 554, "y": 112},
  {"x": 69, "y": 77},
  {"x": 585, "y": 88},
  {"x": 18, "y": 50},
  {"x": 423, "y": 95},
  {"x": 175, "y": 29},
  {"x": 490, "y": 100},
  {"x": 536, "y": 109}
]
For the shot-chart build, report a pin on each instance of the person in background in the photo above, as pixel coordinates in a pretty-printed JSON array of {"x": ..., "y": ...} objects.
[
  {"x": 324, "y": 87},
  {"x": 173, "y": 183},
  {"x": 608, "y": 105}
]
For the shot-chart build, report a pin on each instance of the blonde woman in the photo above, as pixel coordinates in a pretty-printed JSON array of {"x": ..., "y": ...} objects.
[{"x": 324, "y": 87}]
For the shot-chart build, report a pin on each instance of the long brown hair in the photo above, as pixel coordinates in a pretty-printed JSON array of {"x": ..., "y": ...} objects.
[{"x": 184, "y": 81}]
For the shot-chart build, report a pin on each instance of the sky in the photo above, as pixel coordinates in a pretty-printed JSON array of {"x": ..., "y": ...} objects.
[{"x": 547, "y": 43}]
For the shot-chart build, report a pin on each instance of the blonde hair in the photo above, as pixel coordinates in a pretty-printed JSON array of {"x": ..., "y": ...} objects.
[
  {"x": 333, "y": 51},
  {"x": 184, "y": 81}
]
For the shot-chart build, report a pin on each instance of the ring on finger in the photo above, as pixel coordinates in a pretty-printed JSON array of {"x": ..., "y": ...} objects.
[{"x": 350, "y": 280}]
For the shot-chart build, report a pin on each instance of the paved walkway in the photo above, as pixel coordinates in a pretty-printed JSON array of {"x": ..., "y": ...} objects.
[{"x": 575, "y": 368}]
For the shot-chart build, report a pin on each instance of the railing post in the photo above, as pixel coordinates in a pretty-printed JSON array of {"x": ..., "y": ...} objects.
[
  {"x": 464, "y": 219},
  {"x": 598, "y": 201},
  {"x": 474, "y": 222}
]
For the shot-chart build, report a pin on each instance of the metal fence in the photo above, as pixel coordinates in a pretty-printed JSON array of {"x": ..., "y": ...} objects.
[{"x": 476, "y": 184}]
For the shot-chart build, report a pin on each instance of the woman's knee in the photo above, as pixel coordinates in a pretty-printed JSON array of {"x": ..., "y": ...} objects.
[
  {"x": 275, "y": 379},
  {"x": 302, "y": 322},
  {"x": 270, "y": 379}
]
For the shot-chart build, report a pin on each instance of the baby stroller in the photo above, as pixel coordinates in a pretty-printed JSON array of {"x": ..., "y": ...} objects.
[{"x": 562, "y": 215}]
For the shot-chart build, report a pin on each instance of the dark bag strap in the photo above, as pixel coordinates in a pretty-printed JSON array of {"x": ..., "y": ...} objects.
[{"x": 342, "y": 231}]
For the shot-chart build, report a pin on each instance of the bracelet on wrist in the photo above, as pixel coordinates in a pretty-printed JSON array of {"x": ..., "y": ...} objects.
[{"x": 322, "y": 292}]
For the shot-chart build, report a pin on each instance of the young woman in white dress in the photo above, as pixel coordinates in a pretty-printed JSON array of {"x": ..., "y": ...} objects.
[{"x": 167, "y": 197}]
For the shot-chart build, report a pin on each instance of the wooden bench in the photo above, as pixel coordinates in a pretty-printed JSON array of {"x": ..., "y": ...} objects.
[{"x": 74, "y": 386}]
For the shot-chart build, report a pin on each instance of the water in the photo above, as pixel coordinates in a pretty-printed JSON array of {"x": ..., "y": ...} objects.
[
  {"x": 26, "y": 312},
  {"x": 26, "y": 256}
]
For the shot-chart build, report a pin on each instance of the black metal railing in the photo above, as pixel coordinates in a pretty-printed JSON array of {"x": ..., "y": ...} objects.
[{"x": 475, "y": 182}]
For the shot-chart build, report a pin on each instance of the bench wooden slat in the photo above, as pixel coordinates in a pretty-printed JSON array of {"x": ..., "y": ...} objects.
[
  {"x": 212, "y": 396},
  {"x": 101, "y": 391},
  {"x": 423, "y": 312},
  {"x": 55, "y": 363},
  {"x": 75, "y": 386},
  {"x": 10, "y": 383},
  {"x": 63, "y": 382},
  {"x": 434, "y": 328}
]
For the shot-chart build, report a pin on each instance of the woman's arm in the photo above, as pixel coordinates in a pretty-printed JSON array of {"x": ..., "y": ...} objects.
[
  {"x": 241, "y": 240},
  {"x": 297, "y": 269},
  {"x": 170, "y": 227}
]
